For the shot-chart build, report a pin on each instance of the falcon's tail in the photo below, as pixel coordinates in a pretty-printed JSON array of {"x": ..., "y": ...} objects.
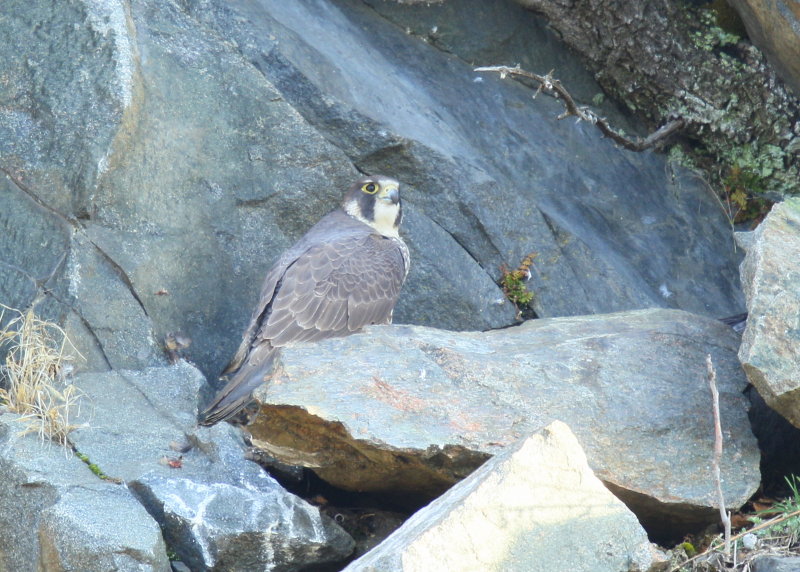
[{"x": 238, "y": 392}]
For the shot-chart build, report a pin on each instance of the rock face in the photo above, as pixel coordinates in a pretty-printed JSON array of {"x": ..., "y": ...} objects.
[
  {"x": 770, "y": 351},
  {"x": 100, "y": 530},
  {"x": 56, "y": 515},
  {"x": 542, "y": 489},
  {"x": 157, "y": 156},
  {"x": 775, "y": 28},
  {"x": 231, "y": 527},
  {"x": 776, "y": 564},
  {"x": 169, "y": 151},
  {"x": 215, "y": 510},
  {"x": 410, "y": 410},
  {"x": 186, "y": 486}
]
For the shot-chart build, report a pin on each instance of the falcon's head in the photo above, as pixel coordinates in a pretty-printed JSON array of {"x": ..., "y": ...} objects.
[{"x": 375, "y": 201}]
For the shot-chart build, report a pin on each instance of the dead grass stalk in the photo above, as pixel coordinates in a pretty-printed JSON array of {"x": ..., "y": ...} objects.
[{"x": 36, "y": 371}]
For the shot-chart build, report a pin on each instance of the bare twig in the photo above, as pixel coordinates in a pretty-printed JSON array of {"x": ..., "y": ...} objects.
[
  {"x": 766, "y": 524},
  {"x": 553, "y": 87},
  {"x": 725, "y": 516}
]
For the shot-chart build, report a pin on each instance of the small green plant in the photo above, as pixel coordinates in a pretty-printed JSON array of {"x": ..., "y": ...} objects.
[
  {"x": 172, "y": 555},
  {"x": 747, "y": 178},
  {"x": 743, "y": 178},
  {"x": 36, "y": 368},
  {"x": 742, "y": 187},
  {"x": 787, "y": 525},
  {"x": 513, "y": 283}
]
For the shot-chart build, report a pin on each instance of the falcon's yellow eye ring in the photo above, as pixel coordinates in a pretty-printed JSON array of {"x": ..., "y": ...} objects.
[{"x": 370, "y": 188}]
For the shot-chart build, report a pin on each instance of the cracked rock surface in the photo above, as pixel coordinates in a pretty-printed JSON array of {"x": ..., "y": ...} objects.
[
  {"x": 408, "y": 410},
  {"x": 56, "y": 515},
  {"x": 158, "y": 156},
  {"x": 180, "y": 487}
]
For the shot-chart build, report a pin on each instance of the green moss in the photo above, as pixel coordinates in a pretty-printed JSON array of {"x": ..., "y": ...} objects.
[
  {"x": 94, "y": 467},
  {"x": 761, "y": 163},
  {"x": 689, "y": 548},
  {"x": 743, "y": 138},
  {"x": 710, "y": 36}
]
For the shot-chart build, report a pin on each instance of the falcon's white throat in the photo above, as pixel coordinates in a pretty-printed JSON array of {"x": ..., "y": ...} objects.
[{"x": 385, "y": 216}]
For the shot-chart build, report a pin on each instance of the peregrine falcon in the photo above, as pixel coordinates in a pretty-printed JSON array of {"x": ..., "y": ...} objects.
[{"x": 344, "y": 274}]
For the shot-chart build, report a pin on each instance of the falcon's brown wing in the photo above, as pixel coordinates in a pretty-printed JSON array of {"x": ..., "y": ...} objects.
[
  {"x": 335, "y": 225},
  {"x": 342, "y": 282},
  {"x": 335, "y": 289}
]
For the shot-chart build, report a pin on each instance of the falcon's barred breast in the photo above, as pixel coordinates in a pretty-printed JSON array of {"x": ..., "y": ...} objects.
[{"x": 344, "y": 274}]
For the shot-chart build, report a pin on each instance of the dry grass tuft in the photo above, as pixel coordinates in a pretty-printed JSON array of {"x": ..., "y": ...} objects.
[{"x": 36, "y": 370}]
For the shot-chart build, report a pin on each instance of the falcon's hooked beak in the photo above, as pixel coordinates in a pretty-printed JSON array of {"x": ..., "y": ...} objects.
[{"x": 390, "y": 194}]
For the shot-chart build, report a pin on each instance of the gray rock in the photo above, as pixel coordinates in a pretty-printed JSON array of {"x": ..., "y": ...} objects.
[
  {"x": 219, "y": 526},
  {"x": 120, "y": 326},
  {"x": 216, "y": 510},
  {"x": 56, "y": 515},
  {"x": 776, "y": 564},
  {"x": 175, "y": 149},
  {"x": 770, "y": 352},
  {"x": 69, "y": 77},
  {"x": 130, "y": 418},
  {"x": 27, "y": 228},
  {"x": 775, "y": 28},
  {"x": 100, "y": 531},
  {"x": 410, "y": 410},
  {"x": 491, "y": 167},
  {"x": 512, "y": 511}
]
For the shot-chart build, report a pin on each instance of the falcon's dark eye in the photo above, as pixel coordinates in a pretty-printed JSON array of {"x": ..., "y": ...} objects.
[{"x": 370, "y": 188}]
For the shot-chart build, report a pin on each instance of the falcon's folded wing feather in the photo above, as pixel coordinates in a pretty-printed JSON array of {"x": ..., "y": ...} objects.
[{"x": 333, "y": 289}]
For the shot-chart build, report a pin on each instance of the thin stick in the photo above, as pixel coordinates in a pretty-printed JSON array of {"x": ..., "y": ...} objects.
[
  {"x": 725, "y": 516},
  {"x": 766, "y": 524},
  {"x": 553, "y": 87}
]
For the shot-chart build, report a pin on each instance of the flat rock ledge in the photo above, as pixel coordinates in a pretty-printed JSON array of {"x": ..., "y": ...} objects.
[
  {"x": 409, "y": 411},
  {"x": 541, "y": 488}
]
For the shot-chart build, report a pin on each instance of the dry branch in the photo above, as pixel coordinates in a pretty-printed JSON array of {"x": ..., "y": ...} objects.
[
  {"x": 553, "y": 87},
  {"x": 666, "y": 60},
  {"x": 724, "y": 515}
]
